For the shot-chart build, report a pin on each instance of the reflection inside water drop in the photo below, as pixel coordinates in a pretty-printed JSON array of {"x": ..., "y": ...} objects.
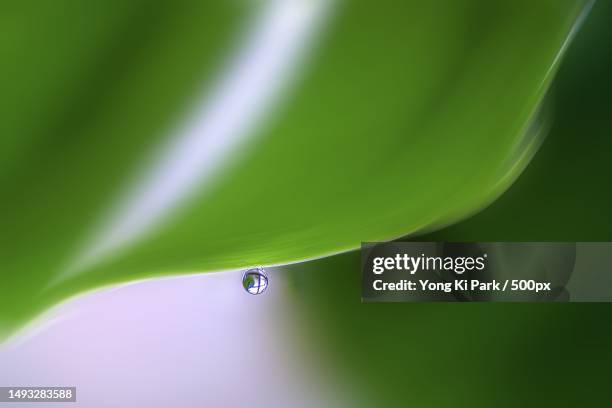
[{"x": 255, "y": 281}]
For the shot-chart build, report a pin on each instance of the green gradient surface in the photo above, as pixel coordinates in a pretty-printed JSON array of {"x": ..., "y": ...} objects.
[
  {"x": 408, "y": 116},
  {"x": 502, "y": 355}
]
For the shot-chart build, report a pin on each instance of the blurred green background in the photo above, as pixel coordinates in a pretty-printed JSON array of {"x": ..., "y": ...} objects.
[
  {"x": 502, "y": 355},
  {"x": 88, "y": 88}
]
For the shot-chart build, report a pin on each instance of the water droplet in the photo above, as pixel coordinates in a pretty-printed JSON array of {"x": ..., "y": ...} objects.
[{"x": 255, "y": 281}]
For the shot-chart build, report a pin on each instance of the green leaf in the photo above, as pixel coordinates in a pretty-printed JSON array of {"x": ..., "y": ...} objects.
[{"x": 403, "y": 117}]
